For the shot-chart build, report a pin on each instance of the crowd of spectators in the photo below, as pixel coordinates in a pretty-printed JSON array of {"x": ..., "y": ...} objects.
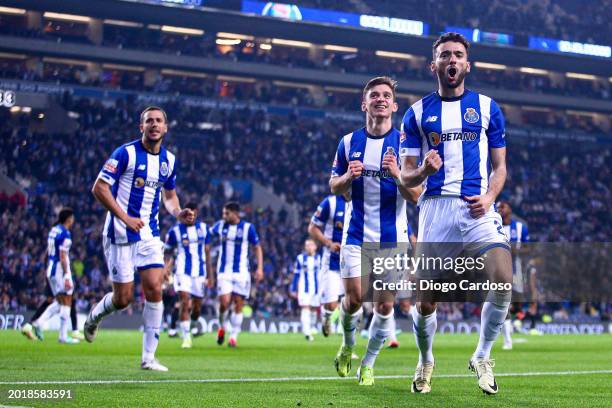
[
  {"x": 360, "y": 62},
  {"x": 569, "y": 20},
  {"x": 560, "y": 195}
]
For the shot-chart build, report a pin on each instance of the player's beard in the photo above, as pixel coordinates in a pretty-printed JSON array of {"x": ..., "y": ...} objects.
[{"x": 459, "y": 77}]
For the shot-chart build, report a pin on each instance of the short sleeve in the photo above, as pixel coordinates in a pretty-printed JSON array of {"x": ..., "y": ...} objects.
[
  {"x": 340, "y": 164},
  {"x": 171, "y": 241},
  {"x": 170, "y": 184},
  {"x": 410, "y": 136},
  {"x": 525, "y": 234},
  {"x": 66, "y": 243},
  {"x": 252, "y": 236},
  {"x": 321, "y": 216},
  {"x": 497, "y": 127},
  {"x": 115, "y": 166},
  {"x": 208, "y": 238}
]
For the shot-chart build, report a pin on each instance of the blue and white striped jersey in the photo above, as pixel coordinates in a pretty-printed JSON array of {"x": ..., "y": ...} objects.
[
  {"x": 59, "y": 239},
  {"x": 234, "y": 253},
  {"x": 378, "y": 210},
  {"x": 137, "y": 177},
  {"x": 306, "y": 274},
  {"x": 189, "y": 242},
  {"x": 462, "y": 130},
  {"x": 330, "y": 218},
  {"x": 517, "y": 233}
]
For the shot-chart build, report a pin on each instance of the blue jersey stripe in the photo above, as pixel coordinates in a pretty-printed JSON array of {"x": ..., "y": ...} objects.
[
  {"x": 432, "y": 106},
  {"x": 334, "y": 257},
  {"x": 355, "y": 232},
  {"x": 137, "y": 193},
  {"x": 388, "y": 195},
  {"x": 153, "y": 222},
  {"x": 470, "y": 185},
  {"x": 238, "y": 247},
  {"x": 201, "y": 232}
]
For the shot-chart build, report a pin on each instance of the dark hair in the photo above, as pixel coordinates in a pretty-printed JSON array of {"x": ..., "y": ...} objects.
[
  {"x": 381, "y": 80},
  {"x": 192, "y": 206},
  {"x": 153, "y": 108},
  {"x": 451, "y": 36},
  {"x": 64, "y": 214},
  {"x": 232, "y": 206}
]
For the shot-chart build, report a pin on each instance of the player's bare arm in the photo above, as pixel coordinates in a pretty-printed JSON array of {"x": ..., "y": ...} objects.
[
  {"x": 64, "y": 263},
  {"x": 259, "y": 271},
  {"x": 171, "y": 202},
  {"x": 102, "y": 192},
  {"x": 341, "y": 185},
  {"x": 480, "y": 204},
  {"x": 210, "y": 280},
  {"x": 390, "y": 164},
  {"x": 315, "y": 232},
  {"x": 413, "y": 175}
]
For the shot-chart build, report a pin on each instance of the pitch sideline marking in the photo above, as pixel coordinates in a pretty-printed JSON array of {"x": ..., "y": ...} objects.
[{"x": 288, "y": 379}]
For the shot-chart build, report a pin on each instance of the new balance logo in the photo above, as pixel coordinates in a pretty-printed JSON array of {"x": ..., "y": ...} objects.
[
  {"x": 356, "y": 155},
  {"x": 431, "y": 119},
  {"x": 142, "y": 167}
]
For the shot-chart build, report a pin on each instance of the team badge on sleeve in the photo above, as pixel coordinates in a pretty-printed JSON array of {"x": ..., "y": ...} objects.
[
  {"x": 471, "y": 116},
  {"x": 111, "y": 165}
]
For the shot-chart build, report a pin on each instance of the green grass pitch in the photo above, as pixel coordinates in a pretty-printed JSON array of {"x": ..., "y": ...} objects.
[{"x": 115, "y": 355}]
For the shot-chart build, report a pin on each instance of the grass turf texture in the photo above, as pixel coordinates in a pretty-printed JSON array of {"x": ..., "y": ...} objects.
[{"x": 115, "y": 355}]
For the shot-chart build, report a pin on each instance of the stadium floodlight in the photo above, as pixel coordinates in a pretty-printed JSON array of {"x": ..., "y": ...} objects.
[
  {"x": 67, "y": 17},
  {"x": 397, "y": 55},
  {"x": 182, "y": 30},
  {"x": 10, "y": 55},
  {"x": 227, "y": 41},
  {"x": 488, "y": 65},
  {"x": 265, "y": 47},
  {"x": 535, "y": 71},
  {"x": 11, "y": 10},
  {"x": 235, "y": 36},
  {"x": 339, "y": 48},
  {"x": 123, "y": 23},
  {"x": 577, "y": 75},
  {"x": 291, "y": 43}
]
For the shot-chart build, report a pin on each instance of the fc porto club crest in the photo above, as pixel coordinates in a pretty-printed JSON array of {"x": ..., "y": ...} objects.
[
  {"x": 470, "y": 115},
  {"x": 434, "y": 138},
  {"x": 164, "y": 169}
]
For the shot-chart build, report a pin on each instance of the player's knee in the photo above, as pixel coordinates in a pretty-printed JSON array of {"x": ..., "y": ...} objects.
[
  {"x": 122, "y": 301},
  {"x": 352, "y": 302},
  {"x": 426, "y": 308},
  {"x": 384, "y": 308}
]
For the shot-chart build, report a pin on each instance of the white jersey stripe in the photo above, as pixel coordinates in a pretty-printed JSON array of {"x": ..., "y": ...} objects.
[
  {"x": 453, "y": 151},
  {"x": 371, "y": 200}
]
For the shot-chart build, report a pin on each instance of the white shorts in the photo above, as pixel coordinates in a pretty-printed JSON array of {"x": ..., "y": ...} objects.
[
  {"x": 123, "y": 260},
  {"x": 308, "y": 299},
  {"x": 331, "y": 285},
  {"x": 57, "y": 281},
  {"x": 448, "y": 219},
  {"x": 447, "y": 230},
  {"x": 350, "y": 258},
  {"x": 193, "y": 285},
  {"x": 228, "y": 285}
]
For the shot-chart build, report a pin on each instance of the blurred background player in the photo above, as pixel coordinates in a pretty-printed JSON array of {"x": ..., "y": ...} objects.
[
  {"x": 233, "y": 276},
  {"x": 456, "y": 133},
  {"x": 517, "y": 233},
  {"x": 366, "y": 165},
  {"x": 326, "y": 227},
  {"x": 191, "y": 241},
  {"x": 129, "y": 186},
  {"x": 59, "y": 278},
  {"x": 305, "y": 286}
]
